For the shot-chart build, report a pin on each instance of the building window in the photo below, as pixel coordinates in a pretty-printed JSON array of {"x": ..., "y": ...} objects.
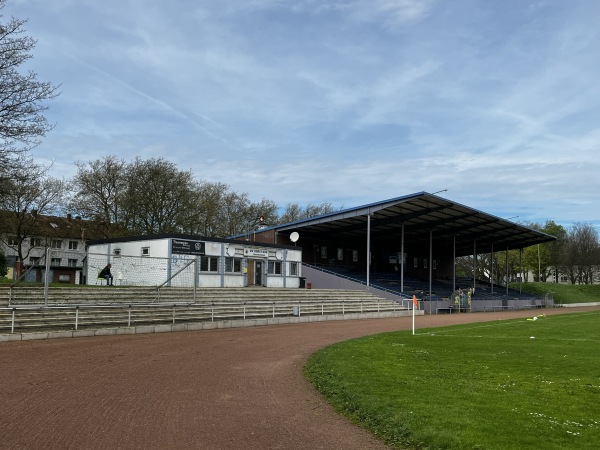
[
  {"x": 34, "y": 260},
  {"x": 355, "y": 255},
  {"x": 233, "y": 265},
  {"x": 340, "y": 254},
  {"x": 323, "y": 252},
  {"x": 209, "y": 263},
  {"x": 294, "y": 269},
  {"x": 56, "y": 243},
  {"x": 72, "y": 262},
  {"x": 35, "y": 242},
  {"x": 424, "y": 264},
  {"x": 415, "y": 263},
  {"x": 274, "y": 268},
  {"x": 12, "y": 241},
  {"x": 434, "y": 265},
  {"x": 55, "y": 261},
  {"x": 145, "y": 251},
  {"x": 73, "y": 245}
]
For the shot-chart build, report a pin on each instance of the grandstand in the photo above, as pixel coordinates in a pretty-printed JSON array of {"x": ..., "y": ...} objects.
[{"x": 406, "y": 246}]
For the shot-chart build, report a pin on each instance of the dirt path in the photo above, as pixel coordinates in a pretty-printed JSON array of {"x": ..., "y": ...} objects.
[{"x": 219, "y": 389}]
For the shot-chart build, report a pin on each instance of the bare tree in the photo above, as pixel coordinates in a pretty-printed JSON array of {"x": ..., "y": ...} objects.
[
  {"x": 294, "y": 212},
  {"x": 99, "y": 187},
  {"x": 204, "y": 216},
  {"x": 581, "y": 254},
  {"x": 29, "y": 197},
  {"x": 234, "y": 218},
  {"x": 157, "y": 197},
  {"x": 22, "y": 97}
]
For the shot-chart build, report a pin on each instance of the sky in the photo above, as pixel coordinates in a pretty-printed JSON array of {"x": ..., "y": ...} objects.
[{"x": 347, "y": 102}]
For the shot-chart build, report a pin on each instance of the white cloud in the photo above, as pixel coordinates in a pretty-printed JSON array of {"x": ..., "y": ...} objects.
[{"x": 342, "y": 101}]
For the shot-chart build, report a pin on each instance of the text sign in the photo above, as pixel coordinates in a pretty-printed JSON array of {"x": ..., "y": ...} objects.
[
  {"x": 187, "y": 247},
  {"x": 256, "y": 252}
]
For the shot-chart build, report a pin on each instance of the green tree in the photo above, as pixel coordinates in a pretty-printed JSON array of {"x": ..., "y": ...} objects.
[{"x": 545, "y": 259}]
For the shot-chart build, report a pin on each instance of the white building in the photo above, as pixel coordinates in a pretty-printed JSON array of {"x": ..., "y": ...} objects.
[{"x": 184, "y": 260}]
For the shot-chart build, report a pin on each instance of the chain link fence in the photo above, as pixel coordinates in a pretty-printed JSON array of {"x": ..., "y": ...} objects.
[{"x": 66, "y": 267}]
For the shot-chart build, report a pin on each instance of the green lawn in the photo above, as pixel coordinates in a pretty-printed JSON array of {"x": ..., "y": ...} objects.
[
  {"x": 563, "y": 293},
  {"x": 514, "y": 384}
]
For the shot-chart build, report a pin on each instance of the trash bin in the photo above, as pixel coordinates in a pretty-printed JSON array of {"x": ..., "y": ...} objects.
[{"x": 302, "y": 282}]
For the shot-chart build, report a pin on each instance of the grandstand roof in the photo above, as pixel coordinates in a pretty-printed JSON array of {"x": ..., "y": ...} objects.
[{"x": 420, "y": 213}]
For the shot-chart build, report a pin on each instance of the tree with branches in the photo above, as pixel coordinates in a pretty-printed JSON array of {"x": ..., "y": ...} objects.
[{"x": 22, "y": 100}]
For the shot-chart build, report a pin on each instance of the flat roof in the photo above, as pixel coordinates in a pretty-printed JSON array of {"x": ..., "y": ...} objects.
[
  {"x": 191, "y": 237},
  {"x": 420, "y": 214}
]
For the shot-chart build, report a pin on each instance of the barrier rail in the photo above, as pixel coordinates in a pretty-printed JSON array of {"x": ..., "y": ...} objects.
[{"x": 100, "y": 316}]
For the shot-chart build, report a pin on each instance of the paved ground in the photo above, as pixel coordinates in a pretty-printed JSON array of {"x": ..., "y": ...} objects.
[{"x": 218, "y": 389}]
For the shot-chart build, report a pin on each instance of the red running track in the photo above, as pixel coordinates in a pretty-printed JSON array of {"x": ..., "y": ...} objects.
[{"x": 237, "y": 388}]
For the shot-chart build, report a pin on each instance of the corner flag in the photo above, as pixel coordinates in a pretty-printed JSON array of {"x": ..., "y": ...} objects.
[{"x": 415, "y": 306}]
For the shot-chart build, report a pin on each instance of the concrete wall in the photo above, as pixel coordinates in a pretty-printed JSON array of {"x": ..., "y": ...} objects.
[{"x": 323, "y": 280}]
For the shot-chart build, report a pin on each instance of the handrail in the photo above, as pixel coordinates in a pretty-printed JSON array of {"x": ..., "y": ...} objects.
[{"x": 230, "y": 310}]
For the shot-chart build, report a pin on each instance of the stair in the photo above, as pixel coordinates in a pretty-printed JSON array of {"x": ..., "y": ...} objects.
[{"x": 103, "y": 307}]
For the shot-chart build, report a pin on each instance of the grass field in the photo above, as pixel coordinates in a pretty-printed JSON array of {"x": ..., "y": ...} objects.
[
  {"x": 514, "y": 384},
  {"x": 563, "y": 293}
]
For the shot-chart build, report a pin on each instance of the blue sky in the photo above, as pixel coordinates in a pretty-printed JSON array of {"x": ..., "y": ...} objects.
[{"x": 341, "y": 101}]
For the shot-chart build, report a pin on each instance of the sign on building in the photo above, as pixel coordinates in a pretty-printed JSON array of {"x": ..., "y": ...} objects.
[
  {"x": 256, "y": 252},
  {"x": 187, "y": 247}
]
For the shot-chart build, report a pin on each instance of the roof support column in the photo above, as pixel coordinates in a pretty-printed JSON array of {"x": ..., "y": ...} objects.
[
  {"x": 402, "y": 260},
  {"x": 539, "y": 265},
  {"x": 430, "y": 265},
  {"x": 368, "y": 247},
  {"x": 507, "y": 271},
  {"x": 453, "y": 263},
  {"x": 492, "y": 269},
  {"x": 474, "y": 263},
  {"x": 521, "y": 271}
]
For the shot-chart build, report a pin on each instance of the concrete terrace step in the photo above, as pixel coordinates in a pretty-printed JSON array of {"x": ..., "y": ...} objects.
[
  {"x": 112, "y": 295},
  {"x": 105, "y": 307}
]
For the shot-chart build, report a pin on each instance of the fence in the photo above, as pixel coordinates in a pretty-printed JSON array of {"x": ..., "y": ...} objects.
[
  {"x": 179, "y": 270},
  {"x": 71, "y": 267}
]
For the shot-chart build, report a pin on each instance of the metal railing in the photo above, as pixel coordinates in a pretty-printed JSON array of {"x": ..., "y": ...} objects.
[{"x": 43, "y": 318}]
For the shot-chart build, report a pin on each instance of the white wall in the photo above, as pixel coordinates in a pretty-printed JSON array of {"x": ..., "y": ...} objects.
[{"x": 131, "y": 268}]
